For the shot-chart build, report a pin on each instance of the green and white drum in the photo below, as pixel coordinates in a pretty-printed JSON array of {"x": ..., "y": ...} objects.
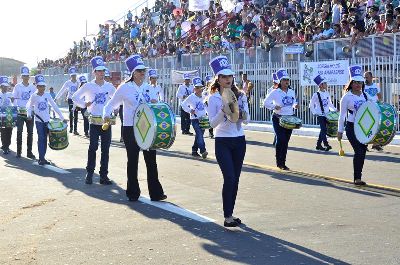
[
  {"x": 290, "y": 122},
  {"x": 8, "y": 117},
  {"x": 332, "y": 123},
  {"x": 96, "y": 119},
  {"x": 58, "y": 137},
  {"x": 204, "y": 123},
  {"x": 113, "y": 120},
  {"x": 22, "y": 111},
  {"x": 375, "y": 123},
  {"x": 154, "y": 126}
]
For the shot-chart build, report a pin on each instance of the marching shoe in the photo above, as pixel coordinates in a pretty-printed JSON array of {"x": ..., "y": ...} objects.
[
  {"x": 195, "y": 154},
  {"x": 359, "y": 182},
  {"x": 204, "y": 154},
  {"x": 31, "y": 156},
  {"x": 328, "y": 147},
  {"x": 105, "y": 181},
  {"x": 89, "y": 178},
  {"x": 163, "y": 197},
  {"x": 320, "y": 147}
]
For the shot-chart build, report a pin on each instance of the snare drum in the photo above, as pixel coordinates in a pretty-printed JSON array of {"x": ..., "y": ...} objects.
[
  {"x": 290, "y": 122},
  {"x": 204, "y": 123},
  {"x": 332, "y": 123},
  {"x": 96, "y": 119},
  {"x": 154, "y": 126},
  {"x": 22, "y": 111},
  {"x": 58, "y": 137},
  {"x": 8, "y": 116}
]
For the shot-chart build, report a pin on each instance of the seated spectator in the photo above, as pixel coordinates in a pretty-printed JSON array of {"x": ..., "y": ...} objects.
[
  {"x": 390, "y": 24},
  {"x": 327, "y": 32}
]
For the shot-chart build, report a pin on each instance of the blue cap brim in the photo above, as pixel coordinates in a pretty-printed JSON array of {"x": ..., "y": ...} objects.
[
  {"x": 226, "y": 72},
  {"x": 100, "y": 68},
  {"x": 41, "y": 84},
  {"x": 358, "y": 78}
]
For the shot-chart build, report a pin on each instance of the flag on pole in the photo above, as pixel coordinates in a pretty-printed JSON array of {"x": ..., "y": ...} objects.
[{"x": 199, "y": 5}]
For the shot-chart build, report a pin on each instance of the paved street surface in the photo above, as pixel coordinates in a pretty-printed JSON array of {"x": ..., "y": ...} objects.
[{"x": 49, "y": 216}]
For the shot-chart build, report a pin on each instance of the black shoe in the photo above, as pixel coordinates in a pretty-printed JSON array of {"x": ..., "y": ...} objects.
[
  {"x": 76, "y": 133},
  {"x": 195, "y": 154},
  {"x": 86, "y": 135},
  {"x": 133, "y": 199},
  {"x": 18, "y": 155},
  {"x": 359, "y": 182},
  {"x": 377, "y": 148},
  {"x": 163, "y": 197},
  {"x": 237, "y": 220},
  {"x": 70, "y": 131},
  {"x": 204, "y": 154},
  {"x": 189, "y": 133},
  {"x": 43, "y": 162},
  {"x": 234, "y": 223},
  {"x": 89, "y": 178},
  {"x": 328, "y": 147},
  {"x": 320, "y": 147},
  {"x": 105, "y": 181},
  {"x": 6, "y": 151},
  {"x": 284, "y": 167},
  {"x": 184, "y": 132},
  {"x": 211, "y": 136},
  {"x": 31, "y": 156}
]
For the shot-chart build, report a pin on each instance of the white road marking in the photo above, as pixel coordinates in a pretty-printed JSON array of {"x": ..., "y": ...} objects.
[
  {"x": 53, "y": 168},
  {"x": 177, "y": 210}
]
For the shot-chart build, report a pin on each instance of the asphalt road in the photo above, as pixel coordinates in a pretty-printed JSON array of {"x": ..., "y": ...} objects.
[{"x": 49, "y": 216}]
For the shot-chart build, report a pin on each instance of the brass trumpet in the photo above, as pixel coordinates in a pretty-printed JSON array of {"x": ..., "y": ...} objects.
[{"x": 231, "y": 106}]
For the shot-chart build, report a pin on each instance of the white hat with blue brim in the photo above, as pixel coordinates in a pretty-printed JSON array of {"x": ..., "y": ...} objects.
[
  {"x": 153, "y": 73},
  {"x": 197, "y": 82},
  {"x": 82, "y": 79},
  {"x": 282, "y": 74},
  {"x": 4, "y": 81},
  {"x": 275, "y": 78},
  {"x": 72, "y": 71},
  {"x": 220, "y": 66},
  {"x": 98, "y": 63},
  {"x": 24, "y": 70},
  {"x": 318, "y": 80},
  {"x": 135, "y": 62},
  {"x": 39, "y": 80},
  {"x": 356, "y": 73}
]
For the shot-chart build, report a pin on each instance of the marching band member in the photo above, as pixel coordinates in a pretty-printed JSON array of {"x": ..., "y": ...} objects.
[
  {"x": 157, "y": 91},
  {"x": 96, "y": 94},
  {"x": 183, "y": 92},
  {"x": 206, "y": 94},
  {"x": 282, "y": 100},
  {"x": 275, "y": 83},
  {"x": 5, "y": 101},
  {"x": 22, "y": 92},
  {"x": 374, "y": 92},
  {"x": 349, "y": 104},
  {"x": 320, "y": 104},
  {"x": 82, "y": 80},
  {"x": 40, "y": 102},
  {"x": 130, "y": 95},
  {"x": 70, "y": 86},
  {"x": 107, "y": 75},
  {"x": 194, "y": 105},
  {"x": 230, "y": 142}
]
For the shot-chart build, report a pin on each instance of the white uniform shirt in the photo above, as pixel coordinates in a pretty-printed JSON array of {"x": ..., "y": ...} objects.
[
  {"x": 286, "y": 100},
  {"x": 219, "y": 121},
  {"x": 98, "y": 95},
  {"x": 184, "y": 91},
  {"x": 70, "y": 87},
  {"x": 150, "y": 92},
  {"x": 5, "y": 99},
  {"x": 269, "y": 90},
  {"x": 22, "y": 93},
  {"x": 372, "y": 90},
  {"x": 315, "y": 106},
  {"x": 349, "y": 102},
  {"x": 196, "y": 103},
  {"x": 41, "y": 106},
  {"x": 128, "y": 94},
  {"x": 156, "y": 93}
]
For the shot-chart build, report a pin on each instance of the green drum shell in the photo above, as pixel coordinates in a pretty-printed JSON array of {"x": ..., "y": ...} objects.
[
  {"x": 332, "y": 123},
  {"x": 22, "y": 111},
  {"x": 58, "y": 138},
  {"x": 204, "y": 123},
  {"x": 8, "y": 116},
  {"x": 285, "y": 123},
  {"x": 163, "y": 125}
]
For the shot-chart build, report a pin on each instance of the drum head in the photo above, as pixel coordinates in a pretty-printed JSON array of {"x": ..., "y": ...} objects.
[
  {"x": 144, "y": 126},
  {"x": 367, "y": 122}
]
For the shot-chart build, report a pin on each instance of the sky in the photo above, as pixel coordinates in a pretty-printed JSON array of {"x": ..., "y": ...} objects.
[{"x": 41, "y": 29}]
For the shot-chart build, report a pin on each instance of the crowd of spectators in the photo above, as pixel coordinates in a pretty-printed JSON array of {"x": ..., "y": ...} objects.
[{"x": 168, "y": 30}]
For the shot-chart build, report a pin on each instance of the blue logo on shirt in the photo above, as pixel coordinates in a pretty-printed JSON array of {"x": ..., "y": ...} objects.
[
  {"x": 42, "y": 106},
  {"x": 73, "y": 89},
  {"x": 358, "y": 103},
  {"x": 372, "y": 91},
  {"x": 26, "y": 95},
  {"x": 100, "y": 98},
  {"x": 325, "y": 102},
  {"x": 146, "y": 97},
  {"x": 200, "y": 106},
  {"x": 287, "y": 101}
]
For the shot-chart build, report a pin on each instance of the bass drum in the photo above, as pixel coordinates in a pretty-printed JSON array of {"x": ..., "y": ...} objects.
[
  {"x": 375, "y": 123},
  {"x": 154, "y": 126}
]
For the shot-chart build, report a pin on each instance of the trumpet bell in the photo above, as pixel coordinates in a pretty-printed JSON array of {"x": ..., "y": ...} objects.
[{"x": 231, "y": 108}]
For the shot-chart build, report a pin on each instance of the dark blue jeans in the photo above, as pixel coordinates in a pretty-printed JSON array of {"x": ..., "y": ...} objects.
[
  {"x": 73, "y": 116},
  {"x": 20, "y": 129},
  {"x": 282, "y": 141},
  {"x": 41, "y": 128},
  {"x": 322, "y": 133},
  {"x": 185, "y": 121},
  {"x": 199, "y": 137},
  {"x": 95, "y": 132},
  {"x": 359, "y": 150},
  {"x": 85, "y": 121},
  {"x": 230, "y": 152}
]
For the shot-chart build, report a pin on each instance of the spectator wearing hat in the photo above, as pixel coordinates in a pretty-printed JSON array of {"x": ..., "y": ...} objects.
[
  {"x": 40, "y": 102},
  {"x": 5, "y": 101},
  {"x": 194, "y": 105},
  {"x": 130, "y": 95},
  {"x": 182, "y": 93},
  {"x": 351, "y": 101},
  {"x": 94, "y": 95},
  {"x": 21, "y": 93},
  {"x": 320, "y": 105},
  {"x": 71, "y": 86}
]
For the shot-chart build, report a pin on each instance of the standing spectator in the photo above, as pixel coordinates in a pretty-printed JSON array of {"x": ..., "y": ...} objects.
[{"x": 336, "y": 10}]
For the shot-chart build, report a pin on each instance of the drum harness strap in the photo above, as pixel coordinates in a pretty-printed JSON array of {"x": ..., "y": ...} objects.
[
  {"x": 366, "y": 99},
  {"x": 320, "y": 103}
]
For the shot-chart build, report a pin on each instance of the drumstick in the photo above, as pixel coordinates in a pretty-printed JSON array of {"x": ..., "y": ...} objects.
[{"x": 341, "y": 151}]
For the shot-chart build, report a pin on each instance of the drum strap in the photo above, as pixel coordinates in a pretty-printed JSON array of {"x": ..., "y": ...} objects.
[
  {"x": 39, "y": 118},
  {"x": 366, "y": 99},
  {"x": 320, "y": 103}
]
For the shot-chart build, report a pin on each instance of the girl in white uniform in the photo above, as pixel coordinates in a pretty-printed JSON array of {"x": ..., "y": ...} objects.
[
  {"x": 157, "y": 92},
  {"x": 230, "y": 142},
  {"x": 349, "y": 104},
  {"x": 5, "y": 101}
]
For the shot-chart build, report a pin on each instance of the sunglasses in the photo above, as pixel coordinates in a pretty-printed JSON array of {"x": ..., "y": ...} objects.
[
  {"x": 358, "y": 82},
  {"x": 141, "y": 70}
]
